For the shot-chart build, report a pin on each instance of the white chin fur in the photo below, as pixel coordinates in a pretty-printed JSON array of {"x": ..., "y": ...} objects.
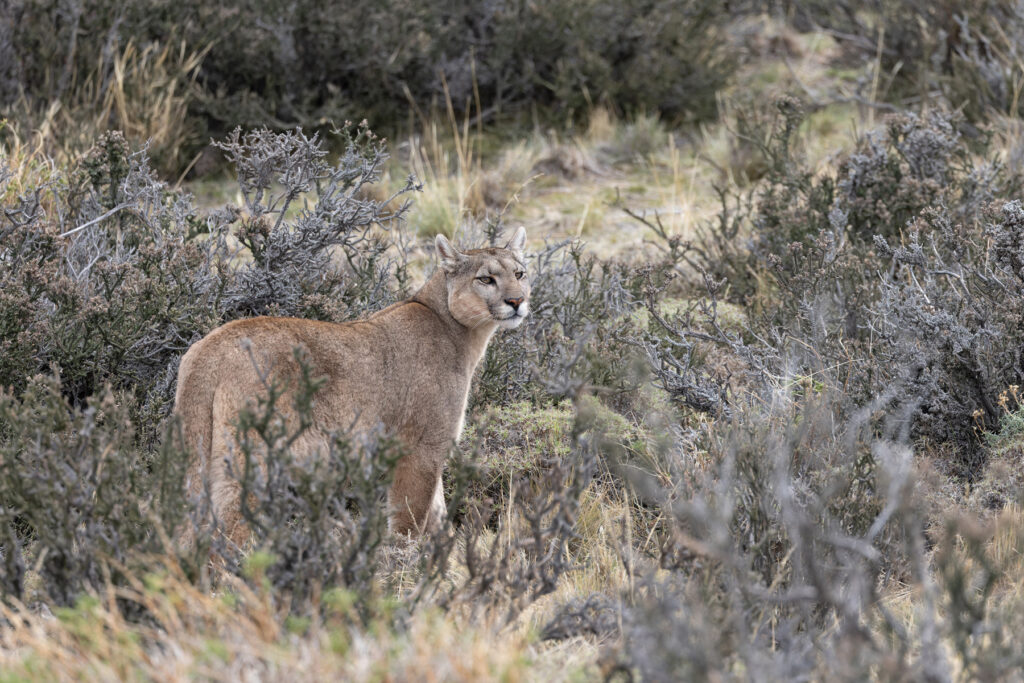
[
  {"x": 513, "y": 319},
  {"x": 511, "y": 323}
]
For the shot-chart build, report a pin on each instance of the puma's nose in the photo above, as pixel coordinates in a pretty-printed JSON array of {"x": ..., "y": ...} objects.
[{"x": 514, "y": 303}]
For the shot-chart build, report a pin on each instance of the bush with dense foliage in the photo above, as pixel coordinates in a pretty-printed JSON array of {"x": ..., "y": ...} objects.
[
  {"x": 192, "y": 69},
  {"x": 110, "y": 276},
  {"x": 894, "y": 268}
]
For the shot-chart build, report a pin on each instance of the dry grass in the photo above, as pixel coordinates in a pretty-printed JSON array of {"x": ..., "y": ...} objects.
[
  {"x": 27, "y": 165},
  {"x": 237, "y": 635},
  {"x": 237, "y": 632},
  {"x": 141, "y": 90},
  {"x": 569, "y": 185}
]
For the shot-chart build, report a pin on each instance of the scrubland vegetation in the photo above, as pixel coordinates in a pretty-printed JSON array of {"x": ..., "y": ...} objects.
[{"x": 764, "y": 422}]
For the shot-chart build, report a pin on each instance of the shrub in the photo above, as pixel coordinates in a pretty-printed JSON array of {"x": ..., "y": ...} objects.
[
  {"x": 142, "y": 68},
  {"x": 881, "y": 270},
  {"x": 967, "y": 52},
  {"x": 850, "y": 299},
  {"x": 776, "y": 556},
  {"x": 952, "y": 314},
  {"x": 325, "y": 260},
  {"x": 117, "y": 298},
  {"x": 75, "y": 495}
]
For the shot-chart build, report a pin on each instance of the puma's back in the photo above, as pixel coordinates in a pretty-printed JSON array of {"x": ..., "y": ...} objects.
[{"x": 407, "y": 368}]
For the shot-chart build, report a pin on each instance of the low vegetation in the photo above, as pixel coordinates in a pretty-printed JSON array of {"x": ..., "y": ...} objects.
[{"x": 764, "y": 421}]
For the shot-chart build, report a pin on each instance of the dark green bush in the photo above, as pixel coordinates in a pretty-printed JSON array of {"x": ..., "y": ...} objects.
[{"x": 265, "y": 62}]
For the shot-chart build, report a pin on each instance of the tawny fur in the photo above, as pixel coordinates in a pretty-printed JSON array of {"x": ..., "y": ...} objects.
[{"x": 407, "y": 368}]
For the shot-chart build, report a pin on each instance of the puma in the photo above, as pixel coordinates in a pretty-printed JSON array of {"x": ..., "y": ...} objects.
[{"x": 407, "y": 368}]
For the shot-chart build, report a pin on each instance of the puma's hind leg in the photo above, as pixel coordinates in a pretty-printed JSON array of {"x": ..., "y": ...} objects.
[{"x": 416, "y": 499}]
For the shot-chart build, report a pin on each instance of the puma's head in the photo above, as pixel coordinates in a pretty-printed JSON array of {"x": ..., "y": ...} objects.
[{"x": 487, "y": 286}]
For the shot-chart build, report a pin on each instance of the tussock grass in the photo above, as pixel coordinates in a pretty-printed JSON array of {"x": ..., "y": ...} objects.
[{"x": 143, "y": 90}]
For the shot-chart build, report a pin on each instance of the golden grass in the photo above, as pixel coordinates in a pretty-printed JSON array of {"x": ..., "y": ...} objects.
[
  {"x": 237, "y": 633},
  {"x": 27, "y": 165},
  {"x": 450, "y": 193},
  {"x": 141, "y": 90}
]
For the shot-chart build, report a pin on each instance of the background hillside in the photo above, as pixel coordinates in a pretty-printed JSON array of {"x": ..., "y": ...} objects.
[{"x": 764, "y": 422}]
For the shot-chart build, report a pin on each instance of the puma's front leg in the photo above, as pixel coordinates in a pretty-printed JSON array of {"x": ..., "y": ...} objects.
[{"x": 416, "y": 500}]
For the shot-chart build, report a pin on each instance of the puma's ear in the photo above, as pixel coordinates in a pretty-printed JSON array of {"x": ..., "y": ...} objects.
[
  {"x": 518, "y": 241},
  {"x": 450, "y": 256}
]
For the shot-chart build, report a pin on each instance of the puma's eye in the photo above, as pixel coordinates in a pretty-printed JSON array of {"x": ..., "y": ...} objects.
[
  {"x": 486, "y": 279},
  {"x": 519, "y": 274}
]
